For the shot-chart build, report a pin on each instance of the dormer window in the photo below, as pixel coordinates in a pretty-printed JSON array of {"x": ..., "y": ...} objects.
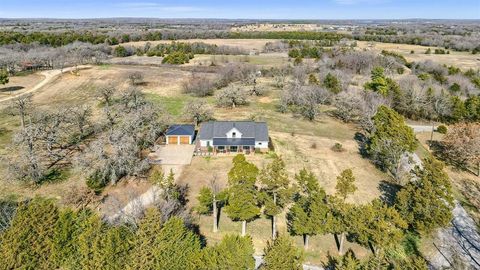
[{"x": 234, "y": 134}]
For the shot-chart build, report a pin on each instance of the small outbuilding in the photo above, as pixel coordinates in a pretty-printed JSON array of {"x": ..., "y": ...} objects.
[{"x": 180, "y": 134}]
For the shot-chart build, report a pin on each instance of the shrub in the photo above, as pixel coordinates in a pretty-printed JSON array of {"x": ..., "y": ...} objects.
[
  {"x": 95, "y": 183},
  {"x": 332, "y": 83},
  {"x": 177, "y": 58},
  {"x": 313, "y": 146},
  {"x": 442, "y": 129},
  {"x": 120, "y": 51},
  {"x": 199, "y": 86},
  {"x": 337, "y": 147},
  {"x": 455, "y": 87},
  {"x": 423, "y": 76}
]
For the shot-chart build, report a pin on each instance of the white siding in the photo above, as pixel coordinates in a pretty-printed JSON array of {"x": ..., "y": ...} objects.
[
  {"x": 204, "y": 143},
  {"x": 237, "y": 135},
  {"x": 261, "y": 144}
]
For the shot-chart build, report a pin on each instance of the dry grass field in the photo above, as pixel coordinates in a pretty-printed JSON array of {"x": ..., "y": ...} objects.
[
  {"x": 247, "y": 44},
  {"x": 18, "y": 84},
  {"x": 464, "y": 60}
]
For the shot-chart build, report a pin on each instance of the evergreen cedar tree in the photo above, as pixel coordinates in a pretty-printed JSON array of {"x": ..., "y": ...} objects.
[
  {"x": 242, "y": 202},
  {"x": 233, "y": 252},
  {"x": 275, "y": 191},
  {"x": 171, "y": 246},
  {"x": 427, "y": 202},
  {"x": 3, "y": 76},
  {"x": 28, "y": 242},
  {"x": 381, "y": 84},
  {"x": 339, "y": 209},
  {"x": 309, "y": 214},
  {"x": 345, "y": 184},
  {"x": 390, "y": 139},
  {"x": 332, "y": 83},
  {"x": 281, "y": 254},
  {"x": 166, "y": 183},
  {"x": 377, "y": 225},
  {"x": 340, "y": 219},
  {"x": 206, "y": 202},
  {"x": 42, "y": 236}
]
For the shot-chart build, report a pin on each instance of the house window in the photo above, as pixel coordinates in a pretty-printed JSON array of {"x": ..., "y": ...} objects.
[
  {"x": 259, "y": 143},
  {"x": 233, "y": 148},
  {"x": 246, "y": 147},
  {"x": 234, "y": 134}
]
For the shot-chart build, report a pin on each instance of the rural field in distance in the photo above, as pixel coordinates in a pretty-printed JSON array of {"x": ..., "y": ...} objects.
[{"x": 272, "y": 135}]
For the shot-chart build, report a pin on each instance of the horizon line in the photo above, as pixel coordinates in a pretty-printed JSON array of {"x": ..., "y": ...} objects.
[{"x": 233, "y": 19}]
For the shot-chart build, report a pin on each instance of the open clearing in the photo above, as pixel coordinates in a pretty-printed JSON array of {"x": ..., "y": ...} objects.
[
  {"x": 464, "y": 60},
  {"x": 247, "y": 44},
  {"x": 19, "y": 84}
]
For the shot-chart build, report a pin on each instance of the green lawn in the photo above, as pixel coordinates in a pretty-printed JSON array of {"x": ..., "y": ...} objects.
[{"x": 173, "y": 105}]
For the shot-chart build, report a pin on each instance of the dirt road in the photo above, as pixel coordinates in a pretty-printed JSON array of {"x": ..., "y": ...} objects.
[{"x": 49, "y": 76}]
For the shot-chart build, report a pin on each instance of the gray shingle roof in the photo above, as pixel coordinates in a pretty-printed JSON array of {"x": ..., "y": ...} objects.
[
  {"x": 219, "y": 129},
  {"x": 178, "y": 130}
]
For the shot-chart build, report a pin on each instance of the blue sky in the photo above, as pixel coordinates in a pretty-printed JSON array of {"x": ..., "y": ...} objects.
[{"x": 248, "y": 9}]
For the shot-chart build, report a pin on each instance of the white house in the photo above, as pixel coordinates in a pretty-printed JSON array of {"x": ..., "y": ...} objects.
[{"x": 233, "y": 136}]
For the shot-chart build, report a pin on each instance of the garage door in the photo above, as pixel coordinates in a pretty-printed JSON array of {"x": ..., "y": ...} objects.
[
  {"x": 184, "y": 139},
  {"x": 173, "y": 140}
]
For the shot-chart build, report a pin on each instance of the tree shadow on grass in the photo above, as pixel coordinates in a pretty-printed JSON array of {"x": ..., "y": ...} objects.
[
  {"x": 11, "y": 89},
  {"x": 389, "y": 191},
  {"x": 362, "y": 142},
  {"x": 54, "y": 176}
]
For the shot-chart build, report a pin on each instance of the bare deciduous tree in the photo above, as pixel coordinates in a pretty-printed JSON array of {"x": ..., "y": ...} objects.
[
  {"x": 198, "y": 111},
  {"x": 26, "y": 165},
  {"x": 372, "y": 101},
  {"x": 232, "y": 96},
  {"x": 106, "y": 96},
  {"x": 462, "y": 145},
  {"x": 80, "y": 117},
  {"x": 22, "y": 106},
  {"x": 135, "y": 78},
  {"x": 199, "y": 86},
  {"x": 349, "y": 105}
]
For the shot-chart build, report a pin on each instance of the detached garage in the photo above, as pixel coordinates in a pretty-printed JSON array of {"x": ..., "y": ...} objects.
[{"x": 180, "y": 134}]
